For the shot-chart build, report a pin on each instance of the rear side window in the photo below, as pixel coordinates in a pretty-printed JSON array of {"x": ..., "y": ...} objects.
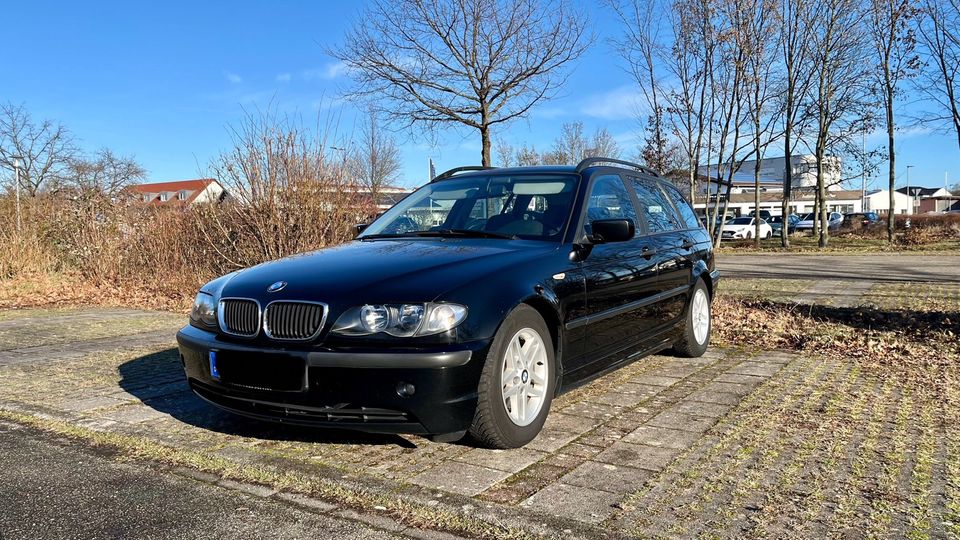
[
  {"x": 657, "y": 210},
  {"x": 686, "y": 212}
]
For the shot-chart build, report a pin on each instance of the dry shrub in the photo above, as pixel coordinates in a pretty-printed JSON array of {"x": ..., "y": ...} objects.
[
  {"x": 287, "y": 197},
  {"x": 931, "y": 228}
]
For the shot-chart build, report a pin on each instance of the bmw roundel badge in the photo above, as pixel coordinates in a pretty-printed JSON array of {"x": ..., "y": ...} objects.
[{"x": 277, "y": 287}]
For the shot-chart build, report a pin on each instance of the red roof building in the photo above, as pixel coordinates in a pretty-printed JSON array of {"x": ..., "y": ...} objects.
[{"x": 180, "y": 192}]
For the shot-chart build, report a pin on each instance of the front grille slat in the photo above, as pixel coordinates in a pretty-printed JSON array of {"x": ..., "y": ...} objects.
[
  {"x": 294, "y": 321},
  {"x": 240, "y": 317}
]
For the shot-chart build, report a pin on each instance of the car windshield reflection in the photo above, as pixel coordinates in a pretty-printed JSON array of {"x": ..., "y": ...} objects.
[{"x": 527, "y": 206}]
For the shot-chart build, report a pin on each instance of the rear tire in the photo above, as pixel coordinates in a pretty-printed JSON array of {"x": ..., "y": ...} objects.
[
  {"x": 698, "y": 322},
  {"x": 517, "y": 383}
]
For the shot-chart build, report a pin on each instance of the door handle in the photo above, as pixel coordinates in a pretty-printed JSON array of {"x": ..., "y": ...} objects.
[
  {"x": 648, "y": 253},
  {"x": 687, "y": 244}
]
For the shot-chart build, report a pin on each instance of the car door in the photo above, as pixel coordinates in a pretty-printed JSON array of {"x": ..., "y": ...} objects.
[
  {"x": 675, "y": 243},
  {"x": 620, "y": 277}
]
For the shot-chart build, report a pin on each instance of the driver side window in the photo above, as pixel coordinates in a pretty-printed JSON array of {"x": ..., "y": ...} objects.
[{"x": 609, "y": 199}]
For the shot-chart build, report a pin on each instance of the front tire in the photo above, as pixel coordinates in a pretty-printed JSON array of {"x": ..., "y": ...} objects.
[
  {"x": 698, "y": 323},
  {"x": 517, "y": 383}
]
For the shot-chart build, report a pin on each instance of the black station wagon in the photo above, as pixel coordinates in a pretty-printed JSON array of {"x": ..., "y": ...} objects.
[{"x": 465, "y": 308}]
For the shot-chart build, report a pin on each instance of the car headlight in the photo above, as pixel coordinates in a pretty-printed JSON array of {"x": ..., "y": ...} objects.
[
  {"x": 400, "y": 320},
  {"x": 204, "y": 311}
]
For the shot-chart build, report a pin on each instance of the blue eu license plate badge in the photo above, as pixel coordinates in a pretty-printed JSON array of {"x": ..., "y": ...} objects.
[{"x": 214, "y": 372}]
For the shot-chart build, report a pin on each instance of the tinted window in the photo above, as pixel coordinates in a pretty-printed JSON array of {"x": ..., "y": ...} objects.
[
  {"x": 609, "y": 200},
  {"x": 657, "y": 211},
  {"x": 742, "y": 221},
  {"x": 686, "y": 212}
]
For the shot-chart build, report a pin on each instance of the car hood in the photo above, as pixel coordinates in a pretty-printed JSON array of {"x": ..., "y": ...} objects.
[
  {"x": 736, "y": 228},
  {"x": 383, "y": 271}
]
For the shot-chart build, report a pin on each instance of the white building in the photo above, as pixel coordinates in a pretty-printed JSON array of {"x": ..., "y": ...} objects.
[
  {"x": 801, "y": 202},
  {"x": 879, "y": 201},
  {"x": 803, "y": 193},
  {"x": 804, "y": 174}
]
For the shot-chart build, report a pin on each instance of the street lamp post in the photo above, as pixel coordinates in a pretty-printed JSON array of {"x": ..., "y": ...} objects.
[{"x": 16, "y": 172}]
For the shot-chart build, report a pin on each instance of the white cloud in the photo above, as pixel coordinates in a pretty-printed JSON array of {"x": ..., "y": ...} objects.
[
  {"x": 233, "y": 77},
  {"x": 326, "y": 73},
  {"x": 283, "y": 78},
  {"x": 620, "y": 103}
]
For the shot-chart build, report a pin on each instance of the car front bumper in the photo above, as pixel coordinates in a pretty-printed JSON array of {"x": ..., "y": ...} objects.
[{"x": 365, "y": 390}]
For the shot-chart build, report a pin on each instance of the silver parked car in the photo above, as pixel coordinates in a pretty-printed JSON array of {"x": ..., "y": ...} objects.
[{"x": 834, "y": 220}]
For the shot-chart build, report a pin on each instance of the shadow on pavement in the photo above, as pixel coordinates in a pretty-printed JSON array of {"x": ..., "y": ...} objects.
[
  {"x": 157, "y": 379},
  {"x": 922, "y": 324}
]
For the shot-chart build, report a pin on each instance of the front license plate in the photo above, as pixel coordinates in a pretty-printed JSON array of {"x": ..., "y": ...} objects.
[{"x": 261, "y": 371}]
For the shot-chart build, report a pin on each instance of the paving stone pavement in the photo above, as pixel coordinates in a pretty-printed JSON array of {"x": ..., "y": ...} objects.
[{"x": 602, "y": 442}]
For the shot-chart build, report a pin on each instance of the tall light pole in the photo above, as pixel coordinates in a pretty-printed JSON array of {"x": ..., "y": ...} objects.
[{"x": 16, "y": 172}]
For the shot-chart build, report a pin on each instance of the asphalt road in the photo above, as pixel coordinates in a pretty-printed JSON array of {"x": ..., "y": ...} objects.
[
  {"x": 52, "y": 489},
  {"x": 882, "y": 267}
]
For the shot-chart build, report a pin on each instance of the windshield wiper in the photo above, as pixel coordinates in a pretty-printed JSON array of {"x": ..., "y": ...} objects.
[
  {"x": 469, "y": 233},
  {"x": 442, "y": 233}
]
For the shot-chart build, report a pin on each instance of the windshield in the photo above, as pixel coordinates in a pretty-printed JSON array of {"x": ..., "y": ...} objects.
[
  {"x": 742, "y": 221},
  {"x": 807, "y": 217},
  {"x": 529, "y": 206}
]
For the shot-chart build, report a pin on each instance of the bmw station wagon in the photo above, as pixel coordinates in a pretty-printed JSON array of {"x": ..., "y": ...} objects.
[{"x": 465, "y": 308}]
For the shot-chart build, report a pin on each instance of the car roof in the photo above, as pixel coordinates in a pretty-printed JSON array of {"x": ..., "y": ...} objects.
[{"x": 548, "y": 169}]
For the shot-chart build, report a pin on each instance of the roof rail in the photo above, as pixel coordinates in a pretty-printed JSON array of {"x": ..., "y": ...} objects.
[
  {"x": 447, "y": 174},
  {"x": 594, "y": 160}
]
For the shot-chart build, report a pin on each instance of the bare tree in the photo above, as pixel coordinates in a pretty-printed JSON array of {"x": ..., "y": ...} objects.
[
  {"x": 603, "y": 145},
  {"x": 640, "y": 47},
  {"x": 505, "y": 153},
  {"x": 940, "y": 37},
  {"x": 528, "y": 156},
  {"x": 473, "y": 63},
  {"x": 729, "y": 104},
  {"x": 46, "y": 147},
  {"x": 891, "y": 30},
  {"x": 839, "y": 97},
  {"x": 690, "y": 63},
  {"x": 758, "y": 35},
  {"x": 795, "y": 35},
  {"x": 103, "y": 174},
  {"x": 571, "y": 145},
  {"x": 288, "y": 194},
  {"x": 375, "y": 159}
]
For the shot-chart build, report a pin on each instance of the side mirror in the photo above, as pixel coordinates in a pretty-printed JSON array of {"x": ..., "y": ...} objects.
[
  {"x": 612, "y": 230},
  {"x": 360, "y": 227}
]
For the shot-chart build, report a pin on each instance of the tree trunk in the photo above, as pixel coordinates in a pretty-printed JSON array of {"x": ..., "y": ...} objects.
[
  {"x": 485, "y": 139},
  {"x": 787, "y": 172},
  {"x": 816, "y": 211},
  {"x": 892, "y": 171},
  {"x": 822, "y": 199},
  {"x": 756, "y": 198}
]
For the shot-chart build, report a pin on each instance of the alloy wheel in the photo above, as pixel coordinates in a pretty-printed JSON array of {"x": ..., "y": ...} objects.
[
  {"x": 523, "y": 376},
  {"x": 700, "y": 312}
]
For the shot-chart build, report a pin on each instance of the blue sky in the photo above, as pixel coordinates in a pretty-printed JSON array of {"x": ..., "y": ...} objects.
[{"x": 163, "y": 80}]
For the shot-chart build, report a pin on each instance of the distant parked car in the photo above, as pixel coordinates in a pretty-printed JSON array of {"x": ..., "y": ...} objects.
[
  {"x": 776, "y": 223},
  {"x": 744, "y": 227},
  {"x": 720, "y": 220},
  {"x": 834, "y": 220},
  {"x": 864, "y": 219}
]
